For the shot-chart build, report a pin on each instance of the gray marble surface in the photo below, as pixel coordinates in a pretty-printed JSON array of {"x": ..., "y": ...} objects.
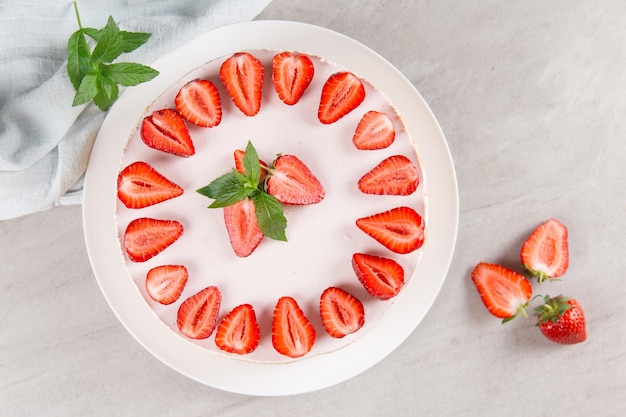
[{"x": 531, "y": 97}]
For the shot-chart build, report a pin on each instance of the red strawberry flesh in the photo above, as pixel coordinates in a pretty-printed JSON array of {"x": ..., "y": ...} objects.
[
  {"x": 291, "y": 75},
  {"x": 545, "y": 253},
  {"x": 139, "y": 185},
  {"x": 293, "y": 334},
  {"x": 165, "y": 130},
  {"x": 503, "y": 291},
  {"x": 198, "y": 102},
  {"x": 562, "y": 320},
  {"x": 197, "y": 315},
  {"x": 242, "y": 76},
  {"x": 242, "y": 227},
  {"x": 342, "y": 93},
  {"x": 374, "y": 131},
  {"x": 395, "y": 175},
  {"x": 292, "y": 182},
  {"x": 146, "y": 237},
  {"x": 382, "y": 278},
  {"x": 400, "y": 229},
  {"x": 238, "y": 332},
  {"x": 341, "y": 312},
  {"x": 166, "y": 283}
]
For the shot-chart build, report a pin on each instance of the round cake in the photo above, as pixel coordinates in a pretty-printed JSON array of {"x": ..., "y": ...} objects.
[{"x": 345, "y": 240}]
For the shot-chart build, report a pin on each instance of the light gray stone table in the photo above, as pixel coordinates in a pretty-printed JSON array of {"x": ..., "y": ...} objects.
[{"x": 532, "y": 98}]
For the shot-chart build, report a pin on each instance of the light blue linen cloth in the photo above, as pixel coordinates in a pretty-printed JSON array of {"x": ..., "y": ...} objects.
[{"x": 44, "y": 141}]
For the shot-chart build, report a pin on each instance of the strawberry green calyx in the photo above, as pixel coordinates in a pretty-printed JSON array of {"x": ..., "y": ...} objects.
[
  {"x": 540, "y": 275},
  {"x": 552, "y": 309}
]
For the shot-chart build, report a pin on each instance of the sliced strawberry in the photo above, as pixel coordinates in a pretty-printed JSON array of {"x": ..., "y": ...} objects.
[
  {"x": 292, "y": 182},
  {"x": 242, "y": 76},
  {"x": 198, "y": 102},
  {"x": 139, "y": 185},
  {"x": 395, "y": 175},
  {"x": 401, "y": 229},
  {"x": 165, "y": 130},
  {"x": 291, "y": 75},
  {"x": 146, "y": 237},
  {"x": 166, "y": 283},
  {"x": 504, "y": 292},
  {"x": 197, "y": 315},
  {"x": 545, "y": 253},
  {"x": 238, "y": 332},
  {"x": 243, "y": 229},
  {"x": 562, "y": 320},
  {"x": 341, "y": 312},
  {"x": 382, "y": 278},
  {"x": 342, "y": 93},
  {"x": 239, "y": 155},
  {"x": 293, "y": 334},
  {"x": 374, "y": 131}
]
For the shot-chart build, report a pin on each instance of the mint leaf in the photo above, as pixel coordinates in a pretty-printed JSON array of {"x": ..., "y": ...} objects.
[
  {"x": 110, "y": 45},
  {"x": 227, "y": 189},
  {"x": 87, "y": 89},
  {"x": 77, "y": 58},
  {"x": 269, "y": 215},
  {"x": 251, "y": 164},
  {"x": 129, "y": 74},
  {"x": 93, "y": 33},
  {"x": 107, "y": 93},
  {"x": 133, "y": 40}
]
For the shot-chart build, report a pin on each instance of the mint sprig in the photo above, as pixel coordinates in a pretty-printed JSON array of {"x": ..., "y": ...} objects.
[
  {"x": 93, "y": 73},
  {"x": 234, "y": 186}
]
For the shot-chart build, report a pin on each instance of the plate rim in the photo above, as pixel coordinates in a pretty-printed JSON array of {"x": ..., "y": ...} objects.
[{"x": 245, "y": 377}]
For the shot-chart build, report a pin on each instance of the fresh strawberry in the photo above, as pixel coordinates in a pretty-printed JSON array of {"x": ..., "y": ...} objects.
[
  {"x": 197, "y": 315},
  {"x": 562, "y": 320},
  {"x": 293, "y": 334},
  {"x": 504, "y": 292},
  {"x": 146, "y": 237},
  {"x": 401, "y": 229},
  {"x": 342, "y": 93},
  {"x": 292, "y": 182},
  {"x": 545, "y": 253},
  {"x": 238, "y": 332},
  {"x": 239, "y": 155},
  {"x": 165, "y": 130},
  {"x": 139, "y": 185},
  {"x": 243, "y": 229},
  {"x": 166, "y": 283},
  {"x": 374, "y": 131},
  {"x": 395, "y": 175},
  {"x": 341, "y": 312},
  {"x": 242, "y": 76},
  {"x": 291, "y": 75},
  {"x": 198, "y": 101},
  {"x": 382, "y": 278}
]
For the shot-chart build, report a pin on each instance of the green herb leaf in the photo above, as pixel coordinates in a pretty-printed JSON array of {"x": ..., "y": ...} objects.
[
  {"x": 93, "y": 33},
  {"x": 110, "y": 45},
  {"x": 87, "y": 89},
  {"x": 107, "y": 93},
  {"x": 269, "y": 215},
  {"x": 227, "y": 189},
  {"x": 133, "y": 40},
  {"x": 129, "y": 74},
  {"x": 251, "y": 164},
  {"x": 77, "y": 58}
]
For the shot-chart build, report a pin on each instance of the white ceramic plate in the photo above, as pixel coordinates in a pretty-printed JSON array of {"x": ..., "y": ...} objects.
[{"x": 262, "y": 374}]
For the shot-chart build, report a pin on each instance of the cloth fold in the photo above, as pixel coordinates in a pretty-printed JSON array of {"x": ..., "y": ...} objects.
[{"x": 44, "y": 141}]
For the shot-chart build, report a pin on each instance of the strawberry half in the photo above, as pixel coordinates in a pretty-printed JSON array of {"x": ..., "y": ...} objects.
[
  {"x": 342, "y": 93},
  {"x": 395, "y": 175},
  {"x": 165, "y": 130},
  {"x": 293, "y": 334},
  {"x": 139, "y": 185},
  {"x": 374, "y": 131},
  {"x": 545, "y": 253},
  {"x": 562, "y": 320},
  {"x": 145, "y": 237},
  {"x": 239, "y": 155},
  {"x": 341, "y": 312},
  {"x": 198, "y": 102},
  {"x": 292, "y": 182},
  {"x": 242, "y": 76},
  {"x": 382, "y": 278},
  {"x": 242, "y": 227},
  {"x": 291, "y": 75},
  {"x": 166, "y": 283},
  {"x": 197, "y": 315},
  {"x": 401, "y": 229},
  {"x": 238, "y": 332},
  {"x": 504, "y": 292}
]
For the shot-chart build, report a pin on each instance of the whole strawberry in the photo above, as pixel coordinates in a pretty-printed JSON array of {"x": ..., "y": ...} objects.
[{"x": 562, "y": 320}]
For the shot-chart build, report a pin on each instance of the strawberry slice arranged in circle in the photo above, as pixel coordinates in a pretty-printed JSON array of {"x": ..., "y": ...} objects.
[
  {"x": 146, "y": 237},
  {"x": 238, "y": 332},
  {"x": 374, "y": 131},
  {"x": 242, "y": 227},
  {"x": 382, "y": 278},
  {"x": 401, "y": 229},
  {"x": 139, "y": 185},
  {"x": 291, "y": 75},
  {"x": 545, "y": 253},
  {"x": 166, "y": 283},
  {"x": 242, "y": 76},
  {"x": 341, "y": 312},
  {"x": 293, "y": 334},
  {"x": 292, "y": 182},
  {"x": 165, "y": 130},
  {"x": 503, "y": 291},
  {"x": 395, "y": 175},
  {"x": 199, "y": 103},
  {"x": 197, "y": 315},
  {"x": 342, "y": 93}
]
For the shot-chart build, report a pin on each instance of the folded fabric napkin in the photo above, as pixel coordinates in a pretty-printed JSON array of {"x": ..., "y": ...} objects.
[{"x": 44, "y": 141}]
